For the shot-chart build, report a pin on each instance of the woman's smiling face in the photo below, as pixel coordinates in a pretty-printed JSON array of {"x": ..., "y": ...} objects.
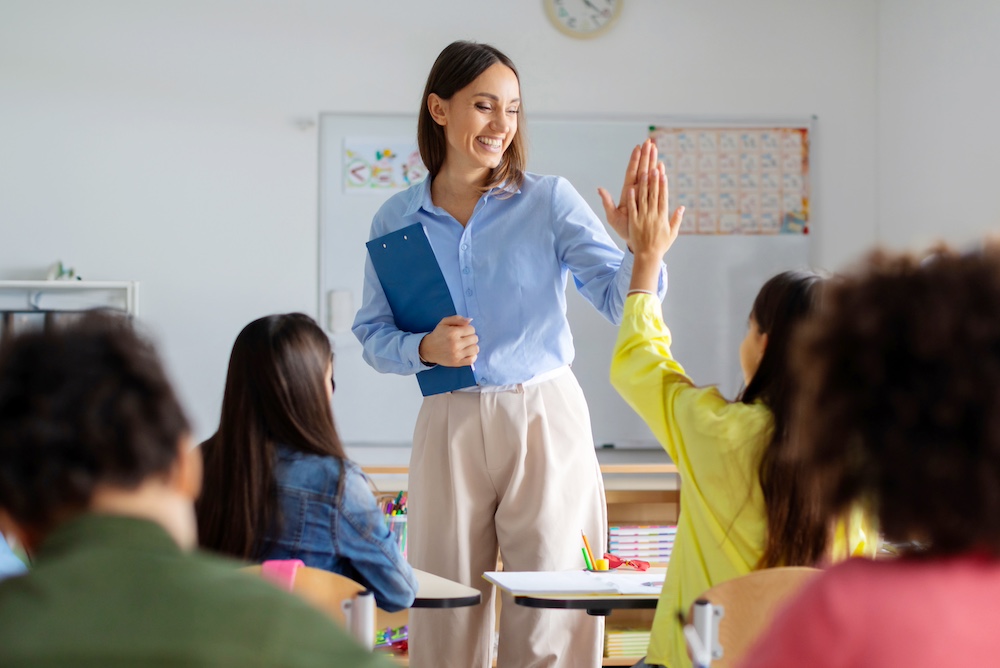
[{"x": 480, "y": 120}]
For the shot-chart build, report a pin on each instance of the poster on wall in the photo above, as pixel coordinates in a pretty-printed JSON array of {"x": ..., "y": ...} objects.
[
  {"x": 732, "y": 180},
  {"x": 380, "y": 165}
]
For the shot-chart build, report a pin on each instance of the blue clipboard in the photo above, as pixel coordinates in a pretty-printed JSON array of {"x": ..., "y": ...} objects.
[{"x": 418, "y": 296}]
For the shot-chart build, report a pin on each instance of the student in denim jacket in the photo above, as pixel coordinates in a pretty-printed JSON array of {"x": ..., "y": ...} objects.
[{"x": 278, "y": 484}]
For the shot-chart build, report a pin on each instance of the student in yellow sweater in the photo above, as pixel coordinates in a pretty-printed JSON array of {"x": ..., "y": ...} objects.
[{"x": 742, "y": 505}]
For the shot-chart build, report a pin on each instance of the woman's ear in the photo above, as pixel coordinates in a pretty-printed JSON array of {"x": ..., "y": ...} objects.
[
  {"x": 438, "y": 109},
  {"x": 187, "y": 474}
]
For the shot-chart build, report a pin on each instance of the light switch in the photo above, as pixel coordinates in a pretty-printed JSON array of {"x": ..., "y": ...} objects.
[{"x": 339, "y": 311}]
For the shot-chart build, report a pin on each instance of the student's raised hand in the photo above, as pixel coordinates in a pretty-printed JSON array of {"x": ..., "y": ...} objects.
[
  {"x": 642, "y": 159},
  {"x": 452, "y": 343},
  {"x": 651, "y": 232}
]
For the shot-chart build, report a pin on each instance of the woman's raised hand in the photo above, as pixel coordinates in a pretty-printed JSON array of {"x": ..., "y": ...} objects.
[
  {"x": 642, "y": 159},
  {"x": 452, "y": 343}
]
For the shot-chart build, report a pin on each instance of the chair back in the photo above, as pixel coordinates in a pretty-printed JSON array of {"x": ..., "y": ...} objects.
[
  {"x": 750, "y": 603},
  {"x": 325, "y": 590}
]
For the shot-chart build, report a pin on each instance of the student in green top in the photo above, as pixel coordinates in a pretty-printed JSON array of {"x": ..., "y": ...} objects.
[
  {"x": 743, "y": 506},
  {"x": 97, "y": 481}
]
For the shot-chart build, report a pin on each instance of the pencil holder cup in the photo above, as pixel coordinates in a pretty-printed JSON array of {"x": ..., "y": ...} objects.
[{"x": 397, "y": 525}]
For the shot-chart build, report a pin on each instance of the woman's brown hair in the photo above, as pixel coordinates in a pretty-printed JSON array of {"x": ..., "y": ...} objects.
[
  {"x": 456, "y": 67},
  {"x": 796, "y": 532},
  {"x": 275, "y": 394}
]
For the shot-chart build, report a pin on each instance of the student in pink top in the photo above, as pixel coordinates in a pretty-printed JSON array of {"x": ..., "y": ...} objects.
[{"x": 900, "y": 410}]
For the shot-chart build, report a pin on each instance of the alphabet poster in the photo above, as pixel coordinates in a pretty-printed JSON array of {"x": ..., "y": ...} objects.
[
  {"x": 381, "y": 165},
  {"x": 752, "y": 180}
]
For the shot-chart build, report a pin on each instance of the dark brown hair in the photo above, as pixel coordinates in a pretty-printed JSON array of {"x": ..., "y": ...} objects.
[
  {"x": 796, "y": 532},
  {"x": 275, "y": 394},
  {"x": 900, "y": 405},
  {"x": 82, "y": 405},
  {"x": 456, "y": 67}
]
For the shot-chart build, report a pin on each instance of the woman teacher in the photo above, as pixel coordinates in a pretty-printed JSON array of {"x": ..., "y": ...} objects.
[{"x": 508, "y": 465}]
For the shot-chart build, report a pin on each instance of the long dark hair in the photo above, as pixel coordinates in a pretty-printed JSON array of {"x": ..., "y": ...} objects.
[
  {"x": 275, "y": 393},
  {"x": 796, "y": 530},
  {"x": 456, "y": 67}
]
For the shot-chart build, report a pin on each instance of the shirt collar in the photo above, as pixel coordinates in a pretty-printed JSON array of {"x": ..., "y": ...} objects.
[{"x": 422, "y": 197}]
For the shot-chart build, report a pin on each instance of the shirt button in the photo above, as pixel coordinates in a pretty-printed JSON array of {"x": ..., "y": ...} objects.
[
  {"x": 468, "y": 293},
  {"x": 466, "y": 270},
  {"x": 465, "y": 246}
]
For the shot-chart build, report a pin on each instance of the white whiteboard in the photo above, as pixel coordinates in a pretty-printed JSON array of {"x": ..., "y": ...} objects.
[{"x": 712, "y": 279}]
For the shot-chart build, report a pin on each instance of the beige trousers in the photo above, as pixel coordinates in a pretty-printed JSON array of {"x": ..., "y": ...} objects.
[{"x": 512, "y": 471}]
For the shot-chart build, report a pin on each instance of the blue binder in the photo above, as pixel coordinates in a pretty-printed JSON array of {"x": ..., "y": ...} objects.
[{"x": 418, "y": 296}]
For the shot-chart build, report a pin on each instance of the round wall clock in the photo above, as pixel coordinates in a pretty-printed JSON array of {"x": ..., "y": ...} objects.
[{"x": 583, "y": 18}]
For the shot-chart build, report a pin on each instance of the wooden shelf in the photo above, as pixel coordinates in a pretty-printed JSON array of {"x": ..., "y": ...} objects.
[
  {"x": 634, "y": 469},
  {"x": 607, "y": 661}
]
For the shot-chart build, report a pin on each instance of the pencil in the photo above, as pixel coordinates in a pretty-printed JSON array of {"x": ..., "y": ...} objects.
[
  {"x": 586, "y": 559},
  {"x": 586, "y": 544}
]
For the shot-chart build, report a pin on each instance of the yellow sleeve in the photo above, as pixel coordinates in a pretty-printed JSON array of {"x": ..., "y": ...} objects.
[{"x": 690, "y": 422}]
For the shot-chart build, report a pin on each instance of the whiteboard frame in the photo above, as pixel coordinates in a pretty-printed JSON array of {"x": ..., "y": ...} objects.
[{"x": 347, "y": 346}]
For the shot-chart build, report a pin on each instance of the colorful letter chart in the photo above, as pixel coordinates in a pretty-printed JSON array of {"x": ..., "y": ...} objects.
[
  {"x": 733, "y": 180},
  {"x": 381, "y": 164}
]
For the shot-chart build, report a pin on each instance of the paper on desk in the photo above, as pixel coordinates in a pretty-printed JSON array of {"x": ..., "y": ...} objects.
[{"x": 576, "y": 583}]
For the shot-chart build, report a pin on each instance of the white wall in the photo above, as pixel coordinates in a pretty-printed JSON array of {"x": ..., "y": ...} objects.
[
  {"x": 157, "y": 140},
  {"x": 939, "y": 105}
]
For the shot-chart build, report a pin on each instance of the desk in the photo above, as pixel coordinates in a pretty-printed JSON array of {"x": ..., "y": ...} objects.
[
  {"x": 435, "y": 591},
  {"x": 599, "y": 603}
]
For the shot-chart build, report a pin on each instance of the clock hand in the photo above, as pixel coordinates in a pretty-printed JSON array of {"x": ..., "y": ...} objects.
[{"x": 592, "y": 6}]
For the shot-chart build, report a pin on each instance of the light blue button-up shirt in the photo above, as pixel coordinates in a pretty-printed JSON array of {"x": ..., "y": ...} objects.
[{"x": 507, "y": 270}]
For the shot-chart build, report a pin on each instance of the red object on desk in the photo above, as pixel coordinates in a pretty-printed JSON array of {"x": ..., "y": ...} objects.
[{"x": 615, "y": 561}]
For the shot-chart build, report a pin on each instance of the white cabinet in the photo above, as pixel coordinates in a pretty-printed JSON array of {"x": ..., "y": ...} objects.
[{"x": 30, "y": 305}]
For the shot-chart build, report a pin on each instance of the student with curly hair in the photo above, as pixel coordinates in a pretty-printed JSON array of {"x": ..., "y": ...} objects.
[
  {"x": 278, "y": 484},
  {"x": 900, "y": 410},
  {"x": 743, "y": 505},
  {"x": 97, "y": 481}
]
